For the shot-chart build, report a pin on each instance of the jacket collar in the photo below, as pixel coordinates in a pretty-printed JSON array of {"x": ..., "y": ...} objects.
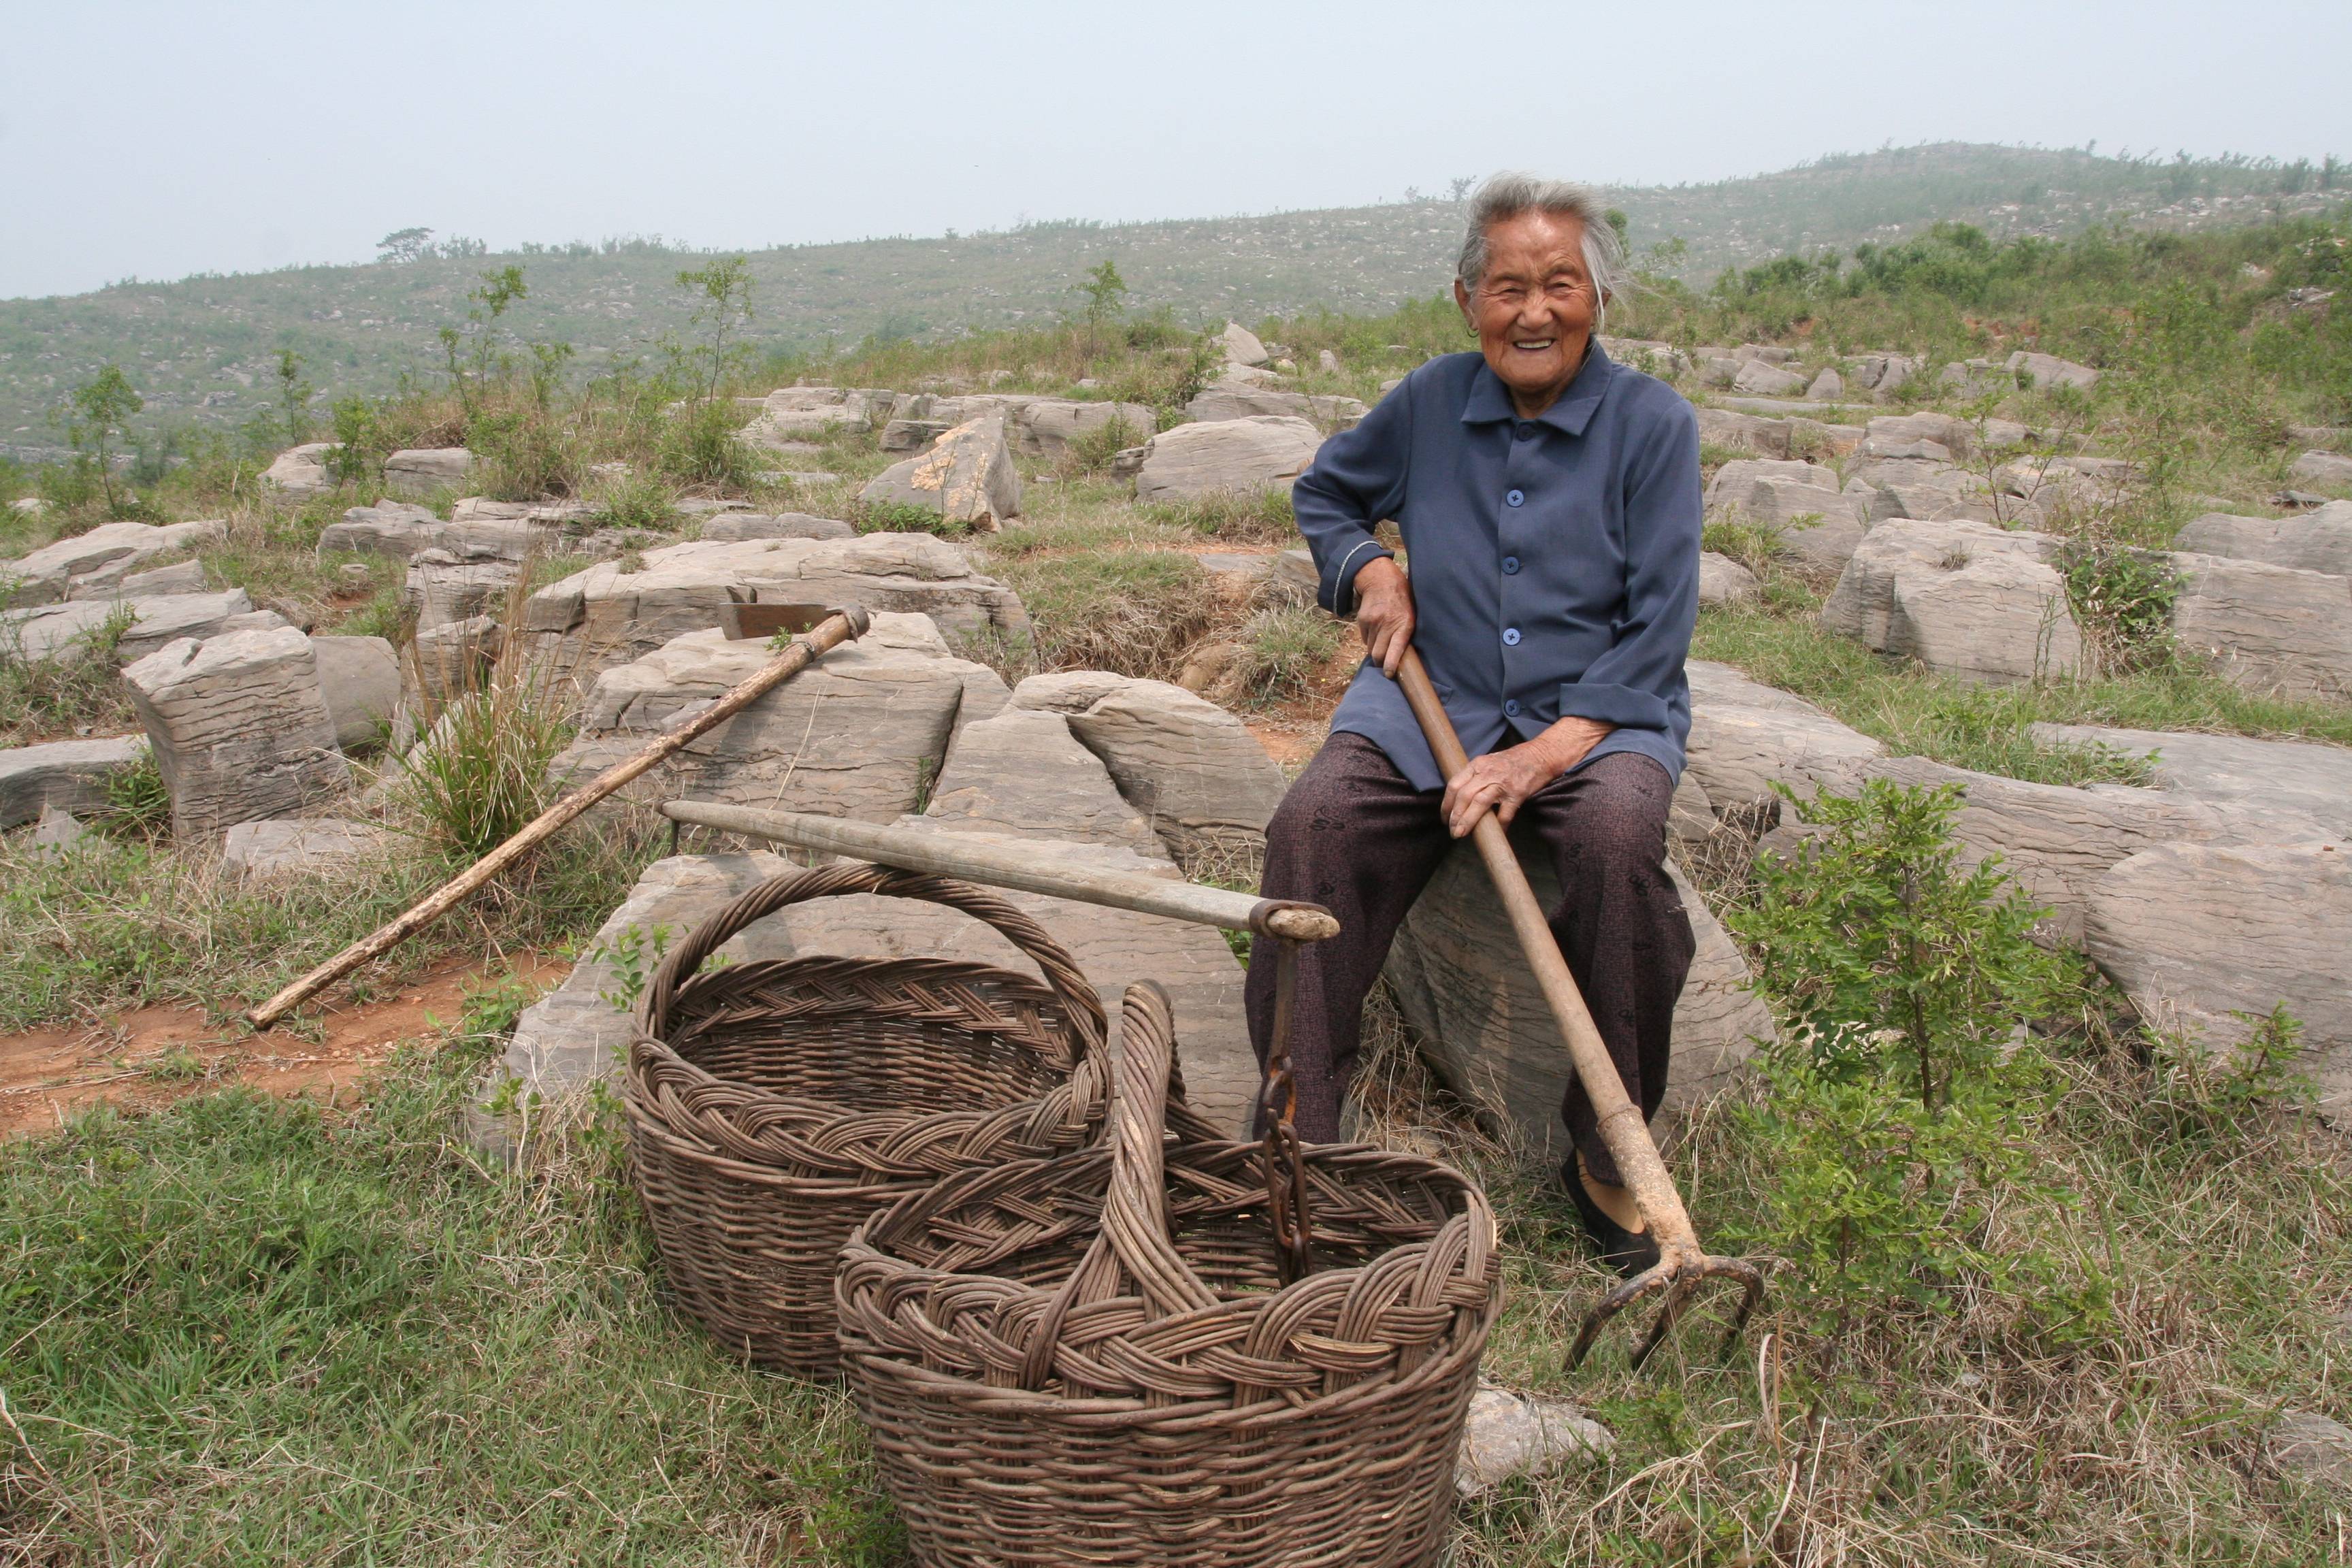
[{"x": 1490, "y": 400}]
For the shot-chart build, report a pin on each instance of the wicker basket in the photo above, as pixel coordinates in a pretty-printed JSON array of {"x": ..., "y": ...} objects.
[
  {"x": 1092, "y": 1359},
  {"x": 773, "y": 1105}
]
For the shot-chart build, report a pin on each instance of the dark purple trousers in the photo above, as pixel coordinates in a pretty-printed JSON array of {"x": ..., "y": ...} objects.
[{"x": 1354, "y": 835}]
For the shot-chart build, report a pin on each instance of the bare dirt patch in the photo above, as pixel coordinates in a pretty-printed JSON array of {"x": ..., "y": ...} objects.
[{"x": 152, "y": 1056}]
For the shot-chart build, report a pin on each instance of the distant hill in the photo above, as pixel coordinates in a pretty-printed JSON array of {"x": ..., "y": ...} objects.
[{"x": 202, "y": 351}]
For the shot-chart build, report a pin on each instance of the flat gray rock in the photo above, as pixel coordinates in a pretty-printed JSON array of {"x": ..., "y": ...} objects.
[
  {"x": 967, "y": 476},
  {"x": 2312, "y": 1448},
  {"x": 2281, "y": 792},
  {"x": 2269, "y": 628},
  {"x": 238, "y": 726},
  {"x": 2197, "y": 935},
  {"x": 1738, "y": 753},
  {"x": 1230, "y": 401},
  {"x": 1229, "y": 455},
  {"x": 1996, "y": 618},
  {"x": 2329, "y": 469},
  {"x": 94, "y": 565},
  {"x": 1051, "y": 427},
  {"x": 422, "y": 470},
  {"x": 1506, "y": 1433},
  {"x": 64, "y": 776},
  {"x": 359, "y": 679},
  {"x": 297, "y": 846},
  {"x": 783, "y": 525},
  {"x": 1863, "y": 605},
  {"x": 300, "y": 471},
  {"x": 2317, "y": 541},
  {"x": 1723, "y": 581},
  {"x": 62, "y": 631}
]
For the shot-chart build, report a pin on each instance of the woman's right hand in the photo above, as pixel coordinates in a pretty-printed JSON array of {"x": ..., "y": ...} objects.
[{"x": 1384, "y": 613}]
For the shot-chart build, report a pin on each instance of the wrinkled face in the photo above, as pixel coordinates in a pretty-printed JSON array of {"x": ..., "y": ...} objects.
[{"x": 1533, "y": 311}]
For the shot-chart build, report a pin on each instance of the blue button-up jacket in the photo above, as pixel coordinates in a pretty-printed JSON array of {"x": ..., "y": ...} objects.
[{"x": 1554, "y": 561}]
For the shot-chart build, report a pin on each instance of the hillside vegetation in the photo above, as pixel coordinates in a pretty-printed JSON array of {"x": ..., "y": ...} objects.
[{"x": 204, "y": 351}]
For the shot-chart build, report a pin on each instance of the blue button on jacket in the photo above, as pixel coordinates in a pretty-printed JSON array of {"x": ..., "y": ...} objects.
[{"x": 1603, "y": 509}]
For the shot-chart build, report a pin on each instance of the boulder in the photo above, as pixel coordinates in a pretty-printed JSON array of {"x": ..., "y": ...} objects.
[
  {"x": 1050, "y": 427},
  {"x": 1723, "y": 581},
  {"x": 2196, "y": 934},
  {"x": 1242, "y": 345},
  {"x": 608, "y": 615},
  {"x": 1818, "y": 523},
  {"x": 2330, "y": 468},
  {"x": 1883, "y": 373},
  {"x": 63, "y": 775},
  {"x": 1739, "y": 750},
  {"x": 2278, "y": 792},
  {"x": 1473, "y": 1005},
  {"x": 1194, "y": 770},
  {"x": 859, "y": 734},
  {"x": 1759, "y": 378},
  {"x": 97, "y": 564},
  {"x": 1863, "y": 605},
  {"x": 2042, "y": 370},
  {"x": 240, "y": 727},
  {"x": 442, "y": 589},
  {"x": 180, "y": 577},
  {"x": 792, "y": 414},
  {"x": 454, "y": 658},
  {"x": 913, "y": 435},
  {"x": 1261, "y": 452},
  {"x": 360, "y": 679},
  {"x": 1327, "y": 361},
  {"x": 1826, "y": 387},
  {"x": 288, "y": 846},
  {"x": 2317, "y": 541},
  {"x": 396, "y": 529},
  {"x": 423, "y": 469},
  {"x": 1506, "y": 1433},
  {"x": 1996, "y": 618},
  {"x": 1021, "y": 774},
  {"x": 51, "y": 632},
  {"x": 967, "y": 476},
  {"x": 1226, "y": 401},
  {"x": 2270, "y": 628},
  {"x": 783, "y": 525},
  {"x": 55, "y": 834},
  {"x": 1949, "y": 431},
  {"x": 300, "y": 471}
]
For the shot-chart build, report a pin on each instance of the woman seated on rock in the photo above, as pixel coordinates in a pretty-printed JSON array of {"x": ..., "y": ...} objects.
[{"x": 1550, "y": 504}]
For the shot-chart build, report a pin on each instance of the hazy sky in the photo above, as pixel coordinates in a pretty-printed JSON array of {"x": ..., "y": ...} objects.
[{"x": 158, "y": 140}]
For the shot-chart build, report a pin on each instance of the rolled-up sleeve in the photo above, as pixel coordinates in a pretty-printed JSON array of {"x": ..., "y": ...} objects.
[
  {"x": 1630, "y": 684},
  {"x": 1356, "y": 479}
]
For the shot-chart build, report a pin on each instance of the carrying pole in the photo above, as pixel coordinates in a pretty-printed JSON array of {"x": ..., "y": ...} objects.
[{"x": 839, "y": 626}]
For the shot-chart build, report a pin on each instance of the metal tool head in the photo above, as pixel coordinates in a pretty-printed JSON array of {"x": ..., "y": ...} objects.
[{"x": 1678, "y": 1275}]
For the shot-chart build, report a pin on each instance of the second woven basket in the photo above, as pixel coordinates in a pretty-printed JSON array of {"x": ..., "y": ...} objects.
[
  {"x": 773, "y": 1105},
  {"x": 1094, "y": 1359}
]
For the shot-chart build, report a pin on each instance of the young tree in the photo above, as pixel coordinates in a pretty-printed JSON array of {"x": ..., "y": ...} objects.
[
  {"x": 100, "y": 412},
  {"x": 405, "y": 245},
  {"x": 293, "y": 396},
  {"x": 1105, "y": 289},
  {"x": 477, "y": 338},
  {"x": 723, "y": 309}
]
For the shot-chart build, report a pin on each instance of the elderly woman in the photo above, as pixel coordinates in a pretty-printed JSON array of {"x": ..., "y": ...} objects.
[{"x": 1550, "y": 504}]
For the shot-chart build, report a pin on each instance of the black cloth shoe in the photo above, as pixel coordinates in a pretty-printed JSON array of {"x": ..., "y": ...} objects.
[{"x": 1627, "y": 1251}]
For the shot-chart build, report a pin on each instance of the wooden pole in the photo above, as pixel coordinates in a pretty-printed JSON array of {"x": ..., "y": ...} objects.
[
  {"x": 1023, "y": 870},
  {"x": 836, "y": 628}
]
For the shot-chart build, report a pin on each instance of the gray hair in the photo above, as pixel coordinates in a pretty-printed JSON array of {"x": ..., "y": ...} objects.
[{"x": 1508, "y": 195}]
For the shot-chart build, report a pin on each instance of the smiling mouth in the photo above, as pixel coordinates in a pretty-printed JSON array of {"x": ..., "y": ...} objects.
[{"x": 1533, "y": 346}]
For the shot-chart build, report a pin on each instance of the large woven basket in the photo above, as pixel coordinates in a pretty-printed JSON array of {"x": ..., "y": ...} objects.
[
  {"x": 1092, "y": 1359},
  {"x": 771, "y": 1106}
]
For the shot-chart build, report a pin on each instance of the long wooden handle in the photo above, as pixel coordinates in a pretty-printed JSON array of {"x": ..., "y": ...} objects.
[
  {"x": 1024, "y": 871},
  {"x": 1622, "y": 1126},
  {"x": 836, "y": 628}
]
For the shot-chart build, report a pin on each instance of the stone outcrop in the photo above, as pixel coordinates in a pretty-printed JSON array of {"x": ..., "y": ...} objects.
[
  {"x": 239, "y": 728},
  {"x": 1746, "y": 737},
  {"x": 741, "y": 525},
  {"x": 1817, "y": 522},
  {"x": 1194, "y": 770},
  {"x": 2271, "y": 628},
  {"x": 1051, "y": 427},
  {"x": 1756, "y": 378},
  {"x": 64, "y": 631},
  {"x": 1242, "y": 345},
  {"x": 1967, "y": 598},
  {"x": 1508, "y": 1433},
  {"x": 1469, "y": 997},
  {"x": 299, "y": 472},
  {"x": 967, "y": 476},
  {"x": 2196, "y": 934},
  {"x": 1775, "y": 437},
  {"x": 288, "y": 846},
  {"x": 63, "y": 775},
  {"x": 859, "y": 734},
  {"x": 1236, "y": 456},
  {"x": 422, "y": 470},
  {"x": 2317, "y": 541},
  {"x": 2278, "y": 791},
  {"x": 453, "y": 658},
  {"x": 1224, "y": 401},
  {"x": 2044, "y": 371},
  {"x": 2330, "y": 468},
  {"x": 606, "y": 615},
  {"x": 442, "y": 587},
  {"x": 360, "y": 679},
  {"x": 1723, "y": 581},
  {"x": 97, "y": 564},
  {"x": 400, "y": 530}
]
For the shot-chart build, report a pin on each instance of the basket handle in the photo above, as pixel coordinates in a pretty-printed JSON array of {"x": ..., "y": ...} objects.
[
  {"x": 1133, "y": 1238},
  {"x": 1078, "y": 1000}
]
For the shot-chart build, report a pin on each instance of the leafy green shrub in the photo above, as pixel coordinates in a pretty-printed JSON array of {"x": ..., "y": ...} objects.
[
  {"x": 1283, "y": 651},
  {"x": 2122, "y": 598},
  {"x": 481, "y": 772},
  {"x": 1093, "y": 451},
  {"x": 902, "y": 517},
  {"x": 1258, "y": 516},
  {"x": 1896, "y": 1105},
  {"x": 635, "y": 499},
  {"x": 700, "y": 444}
]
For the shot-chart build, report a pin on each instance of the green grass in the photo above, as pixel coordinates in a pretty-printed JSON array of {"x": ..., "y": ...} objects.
[
  {"x": 1983, "y": 727},
  {"x": 1133, "y": 612}
]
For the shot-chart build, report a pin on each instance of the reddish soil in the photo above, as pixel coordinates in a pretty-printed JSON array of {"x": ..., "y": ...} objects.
[{"x": 152, "y": 1056}]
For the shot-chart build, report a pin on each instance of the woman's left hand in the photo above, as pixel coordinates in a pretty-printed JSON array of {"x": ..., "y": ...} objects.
[{"x": 1502, "y": 781}]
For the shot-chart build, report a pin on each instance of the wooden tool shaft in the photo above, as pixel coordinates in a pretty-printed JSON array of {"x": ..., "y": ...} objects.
[
  {"x": 1023, "y": 870},
  {"x": 840, "y": 627},
  {"x": 1622, "y": 1124}
]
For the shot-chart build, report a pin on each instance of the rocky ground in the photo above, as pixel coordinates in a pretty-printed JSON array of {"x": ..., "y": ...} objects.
[{"x": 250, "y": 736}]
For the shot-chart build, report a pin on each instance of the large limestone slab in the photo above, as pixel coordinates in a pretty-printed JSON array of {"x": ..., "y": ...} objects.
[
  {"x": 2279, "y": 792},
  {"x": 2271, "y": 628},
  {"x": 300, "y": 471},
  {"x": 2196, "y": 933},
  {"x": 967, "y": 476},
  {"x": 359, "y": 679},
  {"x": 1996, "y": 618},
  {"x": 1231, "y": 455},
  {"x": 400, "y": 530},
  {"x": 1194, "y": 770},
  {"x": 1228, "y": 400},
  {"x": 859, "y": 734},
  {"x": 294, "y": 847},
  {"x": 239, "y": 728},
  {"x": 1738, "y": 753},
  {"x": 1819, "y": 523},
  {"x": 1022, "y": 773},
  {"x": 2317, "y": 541},
  {"x": 442, "y": 589},
  {"x": 50, "y": 632},
  {"x": 1051, "y": 427},
  {"x": 1467, "y": 993},
  {"x": 606, "y": 615},
  {"x": 63, "y": 775},
  {"x": 1863, "y": 605},
  {"x": 93, "y": 565},
  {"x": 422, "y": 470},
  {"x": 780, "y": 525}
]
